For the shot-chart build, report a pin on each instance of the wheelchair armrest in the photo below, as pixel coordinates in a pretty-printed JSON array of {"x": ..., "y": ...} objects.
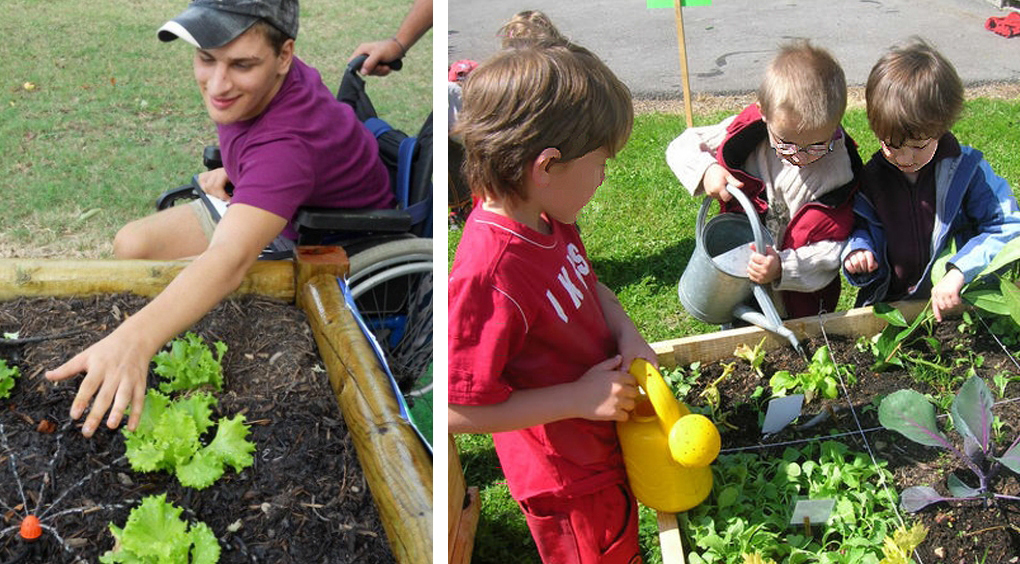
[
  {"x": 368, "y": 220},
  {"x": 211, "y": 157}
]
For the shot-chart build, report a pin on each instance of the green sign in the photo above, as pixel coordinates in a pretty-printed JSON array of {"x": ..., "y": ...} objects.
[{"x": 651, "y": 4}]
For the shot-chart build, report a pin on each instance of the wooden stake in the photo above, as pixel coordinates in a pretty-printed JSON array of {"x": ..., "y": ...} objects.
[{"x": 684, "y": 77}]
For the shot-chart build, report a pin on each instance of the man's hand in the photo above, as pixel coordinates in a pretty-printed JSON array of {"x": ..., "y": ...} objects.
[
  {"x": 214, "y": 182},
  {"x": 115, "y": 370},
  {"x": 379, "y": 53},
  {"x": 860, "y": 261}
]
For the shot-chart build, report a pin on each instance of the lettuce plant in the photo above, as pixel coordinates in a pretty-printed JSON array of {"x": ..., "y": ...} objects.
[
  {"x": 7, "y": 376},
  {"x": 912, "y": 415},
  {"x": 189, "y": 364},
  {"x": 155, "y": 534},
  {"x": 169, "y": 435}
]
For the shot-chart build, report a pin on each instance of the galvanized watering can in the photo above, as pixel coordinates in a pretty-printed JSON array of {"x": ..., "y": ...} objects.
[{"x": 714, "y": 287}]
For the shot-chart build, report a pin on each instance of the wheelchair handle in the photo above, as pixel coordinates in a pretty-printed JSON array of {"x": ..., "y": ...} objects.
[{"x": 355, "y": 64}]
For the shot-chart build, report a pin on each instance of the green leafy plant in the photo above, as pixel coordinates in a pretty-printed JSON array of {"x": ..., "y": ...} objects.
[
  {"x": 748, "y": 512},
  {"x": 821, "y": 377},
  {"x": 189, "y": 364},
  {"x": 755, "y": 357},
  {"x": 7, "y": 376},
  {"x": 993, "y": 290},
  {"x": 156, "y": 534},
  {"x": 913, "y": 416},
  {"x": 169, "y": 437},
  {"x": 901, "y": 544}
]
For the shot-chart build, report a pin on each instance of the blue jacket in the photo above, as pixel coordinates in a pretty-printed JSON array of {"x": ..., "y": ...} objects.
[{"x": 974, "y": 206}]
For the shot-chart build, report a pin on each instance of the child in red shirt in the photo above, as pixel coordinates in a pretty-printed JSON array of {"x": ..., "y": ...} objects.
[{"x": 538, "y": 347}]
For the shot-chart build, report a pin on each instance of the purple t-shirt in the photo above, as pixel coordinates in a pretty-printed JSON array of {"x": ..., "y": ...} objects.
[{"x": 305, "y": 149}]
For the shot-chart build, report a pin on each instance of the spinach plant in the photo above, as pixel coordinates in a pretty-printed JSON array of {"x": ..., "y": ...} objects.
[
  {"x": 748, "y": 512},
  {"x": 7, "y": 376},
  {"x": 912, "y": 415}
]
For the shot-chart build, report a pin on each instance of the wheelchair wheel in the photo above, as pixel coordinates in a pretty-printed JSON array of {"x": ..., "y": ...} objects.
[{"x": 392, "y": 286}]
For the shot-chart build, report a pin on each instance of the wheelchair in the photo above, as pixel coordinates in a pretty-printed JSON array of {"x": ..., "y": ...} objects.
[{"x": 390, "y": 250}]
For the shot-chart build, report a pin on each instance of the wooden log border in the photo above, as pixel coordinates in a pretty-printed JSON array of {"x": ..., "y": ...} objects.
[{"x": 396, "y": 464}]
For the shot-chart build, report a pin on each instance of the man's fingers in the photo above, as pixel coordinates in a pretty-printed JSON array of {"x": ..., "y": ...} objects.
[
  {"x": 137, "y": 404},
  {"x": 70, "y": 368}
]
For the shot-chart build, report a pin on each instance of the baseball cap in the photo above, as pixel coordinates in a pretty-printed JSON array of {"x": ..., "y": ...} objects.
[{"x": 208, "y": 24}]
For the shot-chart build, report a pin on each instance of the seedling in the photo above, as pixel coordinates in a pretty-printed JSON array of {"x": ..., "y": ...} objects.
[
  {"x": 7, "y": 376},
  {"x": 898, "y": 548},
  {"x": 755, "y": 357},
  {"x": 821, "y": 378},
  {"x": 913, "y": 416}
]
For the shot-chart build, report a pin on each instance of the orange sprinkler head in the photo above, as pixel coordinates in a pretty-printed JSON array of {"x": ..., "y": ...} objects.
[{"x": 30, "y": 528}]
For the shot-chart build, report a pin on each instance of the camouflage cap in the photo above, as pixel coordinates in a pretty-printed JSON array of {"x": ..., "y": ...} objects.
[{"x": 208, "y": 24}]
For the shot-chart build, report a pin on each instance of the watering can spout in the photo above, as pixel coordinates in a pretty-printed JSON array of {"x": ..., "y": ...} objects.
[{"x": 755, "y": 317}]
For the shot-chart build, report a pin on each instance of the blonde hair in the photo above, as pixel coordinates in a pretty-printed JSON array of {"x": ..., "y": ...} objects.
[
  {"x": 913, "y": 92},
  {"x": 805, "y": 83},
  {"x": 524, "y": 100},
  {"x": 530, "y": 26}
]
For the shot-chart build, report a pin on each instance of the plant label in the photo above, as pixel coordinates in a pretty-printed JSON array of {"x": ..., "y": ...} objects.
[
  {"x": 781, "y": 412},
  {"x": 812, "y": 512}
]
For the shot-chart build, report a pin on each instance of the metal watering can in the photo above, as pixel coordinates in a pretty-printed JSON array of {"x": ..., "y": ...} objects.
[
  {"x": 714, "y": 287},
  {"x": 667, "y": 450}
]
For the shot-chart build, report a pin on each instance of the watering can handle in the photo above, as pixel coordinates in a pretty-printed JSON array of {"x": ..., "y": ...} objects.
[
  {"x": 752, "y": 217},
  {"x": 667, "y": 408}
]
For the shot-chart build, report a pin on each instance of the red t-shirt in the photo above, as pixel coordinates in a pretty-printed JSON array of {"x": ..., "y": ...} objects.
[{"x": 524, "y": 313}]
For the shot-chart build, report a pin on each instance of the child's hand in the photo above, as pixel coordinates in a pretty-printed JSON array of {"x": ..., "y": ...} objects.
[
  {"x": 715, "y": 180},
  {"x": 860, "y": 261},
  {"x": 636, "y": 347},
  {"x": 945, "y": 296},
  {"x": 606, "y": 392},
  {"x": 764, "y": 268}
]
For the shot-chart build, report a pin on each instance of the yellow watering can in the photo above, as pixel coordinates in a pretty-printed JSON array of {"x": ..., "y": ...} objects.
[{"x": 666, "y": 448}]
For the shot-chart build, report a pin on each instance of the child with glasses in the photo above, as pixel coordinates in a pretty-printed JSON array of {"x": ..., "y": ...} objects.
[
  {"x": 789, "y": 155},
  {"x": 923, "y": 189}
]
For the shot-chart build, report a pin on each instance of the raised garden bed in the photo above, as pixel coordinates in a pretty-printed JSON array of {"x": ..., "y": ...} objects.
[
  {"x": 338, "y": 474},
  {"x": 889, "y": 463}
]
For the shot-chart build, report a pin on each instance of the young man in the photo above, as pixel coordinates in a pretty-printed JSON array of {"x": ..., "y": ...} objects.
[{"x": 286, "y": 142}]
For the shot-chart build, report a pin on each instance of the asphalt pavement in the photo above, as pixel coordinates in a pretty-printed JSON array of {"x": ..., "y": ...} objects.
[{"x": 729, "y": 42}]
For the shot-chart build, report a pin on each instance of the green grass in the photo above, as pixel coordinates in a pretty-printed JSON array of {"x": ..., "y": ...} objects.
[
  {"x": 113, "y": 117},
  {"x": 639, "y": 233}
]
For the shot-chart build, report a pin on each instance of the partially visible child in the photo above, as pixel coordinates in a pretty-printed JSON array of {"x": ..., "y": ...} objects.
[
  {"x": 538, "y": 347},
  {"x": 923, "y": 189},
  {"x": 799, "y": 168}
]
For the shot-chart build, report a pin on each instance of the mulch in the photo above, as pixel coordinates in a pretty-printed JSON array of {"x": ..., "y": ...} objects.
[{"x": 305, "y": 499}]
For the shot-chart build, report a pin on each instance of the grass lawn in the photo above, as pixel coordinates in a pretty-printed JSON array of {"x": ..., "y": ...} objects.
[
  {"x": 98, "y": 117},
  {"x": 639, "y": 233}
]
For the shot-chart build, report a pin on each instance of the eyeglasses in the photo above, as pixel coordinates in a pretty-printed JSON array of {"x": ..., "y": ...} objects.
[{"x": 813, "y": 150}]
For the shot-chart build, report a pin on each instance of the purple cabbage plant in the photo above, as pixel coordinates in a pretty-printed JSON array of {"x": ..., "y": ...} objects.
[{"x": 912, "y": 415}]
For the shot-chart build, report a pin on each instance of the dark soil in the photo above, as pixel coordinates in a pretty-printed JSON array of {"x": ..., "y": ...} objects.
[
  {"x": 957, "y": 532},
  {"x": 305, "y": 499}
]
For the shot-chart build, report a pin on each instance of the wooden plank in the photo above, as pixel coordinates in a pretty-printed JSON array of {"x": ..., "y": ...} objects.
[
  {"x": 669, "y": 538},
  {"x": 396, "y": 464},
  {"x": 49, "y": 277},
  {"x": 712, "y": 347},
  {"x": 462, "y": 545},
  {"x": 456, "y": 489}
]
